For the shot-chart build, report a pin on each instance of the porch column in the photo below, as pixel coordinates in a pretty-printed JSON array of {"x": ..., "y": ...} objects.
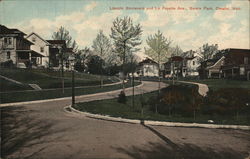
[
  {"x": 209, "y": 74},
  {"x": 30, "y": 56}
]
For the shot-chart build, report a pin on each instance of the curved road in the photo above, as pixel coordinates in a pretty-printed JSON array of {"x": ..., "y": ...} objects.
[{"x": 45, "y": 130}]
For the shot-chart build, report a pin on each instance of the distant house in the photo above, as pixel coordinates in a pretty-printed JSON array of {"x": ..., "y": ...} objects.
[
  {"x": 56, "y": 49},
  {"x": 41, "y": 46},
  {"x": 173, "y": 68},
  {"x": 211, "y": 68},
  {"x": 14, "y": 47},
  {"x": 148, "y": 68},
  {"x": 191, "y": 65},
  {"x": 237, "y": 64}
]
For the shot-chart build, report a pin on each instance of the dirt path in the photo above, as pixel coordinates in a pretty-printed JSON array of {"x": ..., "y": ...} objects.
[{"x": 203, "y": 88}]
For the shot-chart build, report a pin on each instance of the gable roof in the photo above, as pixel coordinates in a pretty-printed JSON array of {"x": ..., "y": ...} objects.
[
  {"x": 176, "y": 58},
  {"x": 38, "y": 37},
  {"x": 218, "y": 60},
  {"x": 147, "y": 60},
  {"x": 62, "y": 42},
  {"x": 5, "y": 30}
]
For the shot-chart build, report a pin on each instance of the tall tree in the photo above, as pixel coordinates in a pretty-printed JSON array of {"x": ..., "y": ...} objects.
[
  {"x": 127, "y": 37},
  {"x": 176, "y": 51},
  {"x": 158, "y": 46},
  {"x": 63, "y": 34},
  {"x": 102, "y": 47},
  {"x": 81, "y": 59},
  {"x": 208, "y": 51}
]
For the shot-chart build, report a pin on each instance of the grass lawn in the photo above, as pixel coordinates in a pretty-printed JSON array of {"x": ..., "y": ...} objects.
[
  {"x": 224, "y": 83},
  {"x": 51, "y": 79},
  {"x": 6, "y": 85},
  {"x": 8, "y": 97},
  {"x": 113, "y": 108}
]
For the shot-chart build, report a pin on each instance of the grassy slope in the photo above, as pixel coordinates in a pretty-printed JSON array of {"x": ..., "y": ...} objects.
[
  {"x": 113, "y": 108},
  {"x": 224, "y": 83},
  {"x": 10, "y": 86},
  {"x": 51, "y": 79},
  {"x": 50, "y": 94}
]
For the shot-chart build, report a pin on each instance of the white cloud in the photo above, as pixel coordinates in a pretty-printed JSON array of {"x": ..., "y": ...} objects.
[
  {"x": 88, "y": 29},
  {"x": 90, "y": 6},
  {"x": 228, "y": 39}
]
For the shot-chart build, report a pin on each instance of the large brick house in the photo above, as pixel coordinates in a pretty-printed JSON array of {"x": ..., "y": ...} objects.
[
  {"x": 237, "y": 64},
  {"x": 14, "y": 47}
]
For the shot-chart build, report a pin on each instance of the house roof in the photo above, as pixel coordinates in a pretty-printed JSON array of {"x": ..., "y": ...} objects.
[
  {"x": 62, "y": 42},
  {"x": 38, "y": 37},
  {"x": 235, "y": 50},
  {"x": 147, "y": 60},
  {"x": 5, "y": 30},
  {"x": 176, "y": 58},
  {"x": 218, "y": 60}
]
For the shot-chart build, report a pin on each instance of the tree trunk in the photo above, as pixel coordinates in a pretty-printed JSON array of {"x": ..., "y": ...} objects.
[
  {"x": 62, "y": 73},
  {"x": 133, "y": 83},
  {"x": 101, "y": 72},
  {"x": 194, "y": 114},
  {"x": 123, "y": 66}
]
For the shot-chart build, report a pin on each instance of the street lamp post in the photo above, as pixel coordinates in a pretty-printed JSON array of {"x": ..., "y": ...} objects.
[{"x": 72, "y": 62}]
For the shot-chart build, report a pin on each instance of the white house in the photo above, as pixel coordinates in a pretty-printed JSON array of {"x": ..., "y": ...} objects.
[
  {"x": 41, "y": 46},
  {"x": 191, "y": 64},
  {"x": 148, "y": 68}
]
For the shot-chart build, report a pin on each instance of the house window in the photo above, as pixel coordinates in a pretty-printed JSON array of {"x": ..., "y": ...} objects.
[
  {"x": 8, "y": 55},
  {"x": 42, "y": 49},
  {"x": 7, "y": 41},
  {"x": 246, "y": 60},
  {"x": 33, "y": 39},
  {"x": 193, "y": 62}
]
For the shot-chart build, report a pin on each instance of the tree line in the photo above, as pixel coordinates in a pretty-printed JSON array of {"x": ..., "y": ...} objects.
[{"x": 116, "y": 52}]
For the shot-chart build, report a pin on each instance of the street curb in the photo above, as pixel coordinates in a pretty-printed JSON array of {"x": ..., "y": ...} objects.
[
  {"x": 63, "y": 98},
  {"x": 155, "y": 123}
]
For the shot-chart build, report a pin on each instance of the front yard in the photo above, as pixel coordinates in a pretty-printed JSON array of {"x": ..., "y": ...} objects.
[{"x": 52, "y": 79}]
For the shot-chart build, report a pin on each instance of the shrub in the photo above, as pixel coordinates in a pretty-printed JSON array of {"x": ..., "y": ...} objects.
[
  {"x": 8, "y": 64},
  {"x": 178, "y": 99},
  {"x": 122, "y": 97},
  {"x": 226, "y": 101}
]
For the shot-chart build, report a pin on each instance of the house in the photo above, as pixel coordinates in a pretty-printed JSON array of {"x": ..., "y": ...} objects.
[
  {"x": 191, "y": 65},
  {"x": 237, "y": 64},
  {"x": 148, "y": 68},
  {"x": 56, "y": 49},
  {"x": 58, "y": 52},
  {"x": 211, "y": 68},
  {"x": 41, "y": 46},
  {"x": 14, "y": 47},
  {"x": 173, "y": 68}
]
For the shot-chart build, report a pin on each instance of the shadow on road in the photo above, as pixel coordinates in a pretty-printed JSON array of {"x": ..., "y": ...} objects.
[
  {"x": 21, "y": 131},
  {"x": 171, "y": 150}
]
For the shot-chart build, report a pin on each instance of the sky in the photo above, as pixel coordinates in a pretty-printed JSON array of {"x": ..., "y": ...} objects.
[{"x": 189, "y": 28}]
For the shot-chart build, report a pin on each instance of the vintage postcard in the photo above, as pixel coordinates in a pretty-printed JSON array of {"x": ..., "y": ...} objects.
[{"x": 125, "y": 79}]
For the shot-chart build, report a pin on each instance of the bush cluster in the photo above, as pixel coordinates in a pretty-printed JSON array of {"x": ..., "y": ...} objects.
[{"x": 185, "y": 100}]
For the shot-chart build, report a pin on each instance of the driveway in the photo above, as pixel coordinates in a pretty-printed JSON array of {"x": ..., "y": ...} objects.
[{"x": 45, "y": 130}]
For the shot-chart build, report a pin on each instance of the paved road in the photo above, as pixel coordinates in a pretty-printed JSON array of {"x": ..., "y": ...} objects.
[{"x": 44, "y": 130}]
